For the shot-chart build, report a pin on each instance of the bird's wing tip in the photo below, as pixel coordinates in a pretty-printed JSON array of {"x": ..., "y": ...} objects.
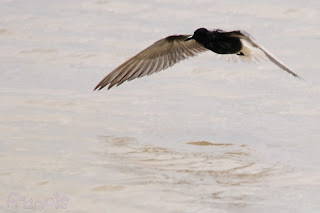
[
  {"x": 297, "y": 76},
  {"x": 98, "y": 87}
]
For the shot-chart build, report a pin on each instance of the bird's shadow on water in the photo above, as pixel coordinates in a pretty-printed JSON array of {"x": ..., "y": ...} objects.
[{"x": 226, "y": 169}]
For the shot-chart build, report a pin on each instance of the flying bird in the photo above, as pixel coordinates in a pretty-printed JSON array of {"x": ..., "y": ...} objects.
[{"x": 172, "y": 49}]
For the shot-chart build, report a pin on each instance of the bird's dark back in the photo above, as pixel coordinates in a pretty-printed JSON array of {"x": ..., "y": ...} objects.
[{"x": 219, "y": 41}]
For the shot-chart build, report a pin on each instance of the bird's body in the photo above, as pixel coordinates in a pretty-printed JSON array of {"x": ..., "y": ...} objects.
[
  {"x": 172, "y": 49},
  {"x": 218, "y": 41}
]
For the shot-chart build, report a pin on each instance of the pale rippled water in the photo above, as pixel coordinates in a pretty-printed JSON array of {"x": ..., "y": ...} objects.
[{"x": 203, "y": 136}]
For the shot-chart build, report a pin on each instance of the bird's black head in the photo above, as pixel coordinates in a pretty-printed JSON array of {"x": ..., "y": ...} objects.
[{"x": 198, "y": 35}]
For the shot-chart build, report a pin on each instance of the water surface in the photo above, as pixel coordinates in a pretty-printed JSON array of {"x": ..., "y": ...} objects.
[{"x": 203, "y": 136}]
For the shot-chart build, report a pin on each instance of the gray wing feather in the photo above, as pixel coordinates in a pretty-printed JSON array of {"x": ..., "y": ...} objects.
[
  {"x": 159, "y": 56},
  {"x": 244, "y": 35}
]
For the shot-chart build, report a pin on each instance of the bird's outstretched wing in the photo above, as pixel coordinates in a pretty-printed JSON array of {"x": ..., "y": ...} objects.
[
  {"x": 159, "y": 56},
  {"x": 244, "y": 35}
]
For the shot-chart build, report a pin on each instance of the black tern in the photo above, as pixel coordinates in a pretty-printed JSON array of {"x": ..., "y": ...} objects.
[{"x": 172, "y": 49}]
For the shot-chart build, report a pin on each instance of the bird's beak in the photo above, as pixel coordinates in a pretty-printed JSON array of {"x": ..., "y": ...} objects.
[{"x": 189, "y": 38}]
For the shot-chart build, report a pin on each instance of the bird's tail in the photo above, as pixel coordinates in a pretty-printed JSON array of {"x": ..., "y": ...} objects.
[{"x": 251, "y": 54}]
